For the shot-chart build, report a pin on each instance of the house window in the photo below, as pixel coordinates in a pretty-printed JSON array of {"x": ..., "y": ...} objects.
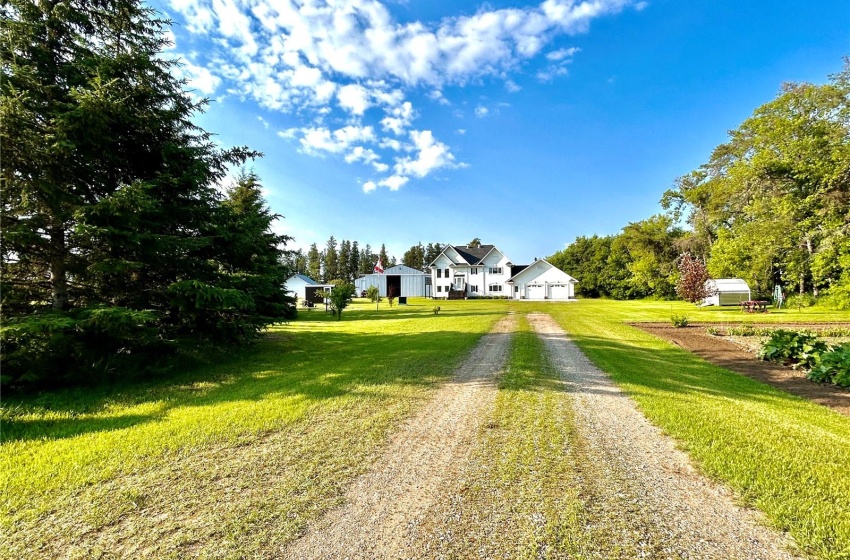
[
  {"x": 447, "y": 273},
  {"x": 495, "y": 270},
  {"x": 439, "y": 288},
  {"x": 473, "y": 288},
  {"x": 474, "y": 271},
  {"x": 439, "y": 273},
  {"x": 495, "y": 287}
]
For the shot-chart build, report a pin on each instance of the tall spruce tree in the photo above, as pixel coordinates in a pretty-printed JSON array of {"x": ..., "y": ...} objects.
[
  {"x": 109, "y": 206},
  {"x": 330, "y": 261},
  {"x": 314, "y": 263}
]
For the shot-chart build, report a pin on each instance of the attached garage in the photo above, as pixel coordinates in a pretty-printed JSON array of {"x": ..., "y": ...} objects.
[
  {"x": 559, "y": 291},
  {"x": 542, "y": 281},
  {"x": 535, "y": 291}
]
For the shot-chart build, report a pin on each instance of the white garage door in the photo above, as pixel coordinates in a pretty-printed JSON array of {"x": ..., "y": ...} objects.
[
  {"x": 536, "y": 292},
  {"x": 559, "y": 291}
]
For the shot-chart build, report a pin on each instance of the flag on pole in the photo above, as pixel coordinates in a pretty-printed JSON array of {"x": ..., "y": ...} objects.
[{"x": 378, "y": 268}]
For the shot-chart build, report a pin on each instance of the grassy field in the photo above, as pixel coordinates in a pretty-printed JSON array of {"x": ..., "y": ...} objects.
[
  {"x": 233, "y": 459},
  {"x": 782, "y": 454},
  {"x": 259, "y": 444}
]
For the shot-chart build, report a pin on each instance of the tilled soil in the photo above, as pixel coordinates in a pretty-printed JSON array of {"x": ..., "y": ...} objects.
[
  {"x": 729, "y": 355},
  {"x": 658, "y": 500},
  {"x": 384, "y": 508}
]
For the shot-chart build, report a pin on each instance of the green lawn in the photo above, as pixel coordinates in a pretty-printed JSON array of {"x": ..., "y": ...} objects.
[
  {"x": 310, "y": 406},
  {"x": 233, "y": 459},
  {"x": 782, "y": 454}
]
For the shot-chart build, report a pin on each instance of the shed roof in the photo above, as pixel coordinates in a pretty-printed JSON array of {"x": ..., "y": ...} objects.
[
  {"x": 303, "y": 278},
  {"x": 729, "y": 284}
]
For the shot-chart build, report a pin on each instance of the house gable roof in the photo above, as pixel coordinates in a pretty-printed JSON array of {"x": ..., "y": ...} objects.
[
  {"x": 473, "y": 255},
  {"x": 443, "y": 252},
  {"x": 532, "y": 266}
]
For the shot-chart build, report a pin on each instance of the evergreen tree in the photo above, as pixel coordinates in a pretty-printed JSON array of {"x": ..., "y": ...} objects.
[
  {"x": 367, "y": 260},
  {"x": 354, "y": 260},
  {"x": 330, "y": 261},
  {"x": 314, "y": 263},
  {"x": 432, "y": 251},
  {"x": 382, "y": 256},
  {"x": 109, "y": 208},
  {"x": 344, "y": 260},
  {"x": 414, "y": 257}
]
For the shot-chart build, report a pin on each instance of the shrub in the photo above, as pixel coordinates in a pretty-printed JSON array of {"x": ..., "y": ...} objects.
[
  {"x": 436, "y": 309},
  {"x": 679, "y": 320},
  {"x": 713, "y": 331},
  {"x": 693, "y": 276},
  {"x": 837, "y": 297},
  {"x": 800, "y": 301},
  {"x": 833, "y": 367},
  {"x": 800, "y": 349}
]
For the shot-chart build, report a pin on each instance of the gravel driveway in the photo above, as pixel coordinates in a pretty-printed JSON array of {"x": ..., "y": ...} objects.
[
  {"x": 384, "y": 507},
  {"x": 644, "y": 488}
]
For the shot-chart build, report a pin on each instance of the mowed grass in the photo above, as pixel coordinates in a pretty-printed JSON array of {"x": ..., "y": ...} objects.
[
  {"x": 231, "y": 459},
  {"x": 780, "y": 453}
]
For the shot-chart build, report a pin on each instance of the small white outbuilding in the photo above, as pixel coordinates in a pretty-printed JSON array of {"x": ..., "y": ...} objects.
[
  {"x": 727, "y": 291},
  {"x": 400, "y": 279},
  {"x": 305, "y": 287}
]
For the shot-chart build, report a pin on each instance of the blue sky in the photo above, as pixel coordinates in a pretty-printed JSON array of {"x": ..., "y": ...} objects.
[{"x": 525, "y": 124}]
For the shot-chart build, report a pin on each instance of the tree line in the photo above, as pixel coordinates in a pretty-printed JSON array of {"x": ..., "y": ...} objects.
[
  {"x": 771, "y": 205},
  {"x": 346, "y": 260},
  {"x": 119, "y": 249}
]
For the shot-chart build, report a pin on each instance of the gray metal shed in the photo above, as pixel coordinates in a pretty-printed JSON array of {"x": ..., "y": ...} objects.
[{"x": 405, "y": 281}]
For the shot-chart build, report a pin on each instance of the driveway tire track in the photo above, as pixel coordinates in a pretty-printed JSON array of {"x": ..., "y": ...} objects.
[{"x": 384, "y": 507}]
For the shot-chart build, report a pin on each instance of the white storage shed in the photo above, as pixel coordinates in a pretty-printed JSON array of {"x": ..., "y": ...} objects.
[
  {"x": 727, "y": 291},
  {"x": 305, "y": 287}
]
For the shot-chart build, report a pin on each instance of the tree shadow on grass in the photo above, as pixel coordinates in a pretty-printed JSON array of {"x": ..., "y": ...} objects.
[
  {"x": 678, "y": 373},
  {"x": 310, "y": 366}
]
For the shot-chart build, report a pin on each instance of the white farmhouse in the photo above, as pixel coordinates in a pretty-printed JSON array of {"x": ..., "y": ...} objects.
[{"x": 461, "y": 272}]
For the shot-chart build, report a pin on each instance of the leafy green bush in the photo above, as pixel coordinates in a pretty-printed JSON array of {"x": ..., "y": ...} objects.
[
  {"x": 837, "y": 297},
  {"x": 833, "y": 367},
  {"x": 798, "y": 301},
  {"x": 713, "y": 331},
  {"x": 679, "y": 320},
  {"x": 800, "y": 349}
]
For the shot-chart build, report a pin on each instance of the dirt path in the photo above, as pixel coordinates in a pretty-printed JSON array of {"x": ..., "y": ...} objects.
[
  {"x": 729, "y": 355},
  {"x": 384, "y": 507},
  {"x": 641, "y": 478}
]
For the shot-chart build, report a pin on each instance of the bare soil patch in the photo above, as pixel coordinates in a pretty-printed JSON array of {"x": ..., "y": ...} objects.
[
  {"x": 724, "y": 352},
  {"x": 647, "y": 493}
]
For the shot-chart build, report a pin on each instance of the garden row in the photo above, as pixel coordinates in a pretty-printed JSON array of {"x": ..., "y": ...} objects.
[{"x": 823, "y": 362}]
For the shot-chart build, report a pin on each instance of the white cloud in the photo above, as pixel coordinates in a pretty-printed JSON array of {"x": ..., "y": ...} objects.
[
  {"x": 461, "y": 131},
  {"x": 431, "y": 154},
  {"x": 369, "y": 186},
  {"x": 314, "y": 141},
  {"x": 354, "y": 98},
  {"x": 512, "y": 86},
  {"x": 264, "y": 121},
  {"x": 359, "y": 153},
  {"x": 199, "y": 79},
  {"x": 394, "y": 182},
  {"x": 481, "y": 111},
  {"x": 561, "y": 54},
  {"x": 316, "y": 59}
]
